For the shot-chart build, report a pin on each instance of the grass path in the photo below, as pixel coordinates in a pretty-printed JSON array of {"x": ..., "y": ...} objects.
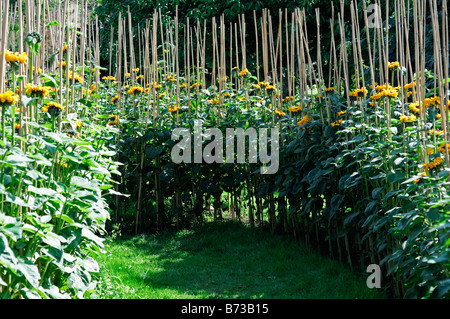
[{"x": 226, "y": 260}]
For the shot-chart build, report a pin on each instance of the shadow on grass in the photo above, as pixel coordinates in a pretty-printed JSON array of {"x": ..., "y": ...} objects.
[{"x": 226, "y": 260}]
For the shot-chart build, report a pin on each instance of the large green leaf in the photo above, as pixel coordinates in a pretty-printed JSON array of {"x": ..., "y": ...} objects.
[
  {"x": 396, "y": 177},
  {"x": 335, "y": 204},
  {"x": 7, "y": 256},
  {"x": 30, "y": 271},
  {"x": 153, "y": 151},
  {"x": 42, "y": 191},
  {"x": 84, "y": 183}
]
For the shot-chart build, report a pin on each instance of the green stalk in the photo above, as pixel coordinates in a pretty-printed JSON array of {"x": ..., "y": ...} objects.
[
  {"x": 13, "y": 107},
  {"x": 3, "y": 124}
]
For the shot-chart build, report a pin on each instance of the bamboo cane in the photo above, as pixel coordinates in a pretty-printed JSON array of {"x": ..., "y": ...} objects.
[{"x": 257, "y": 46}]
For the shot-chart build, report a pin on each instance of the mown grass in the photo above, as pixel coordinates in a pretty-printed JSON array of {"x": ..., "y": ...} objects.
[{"x": 223, "y": 260}]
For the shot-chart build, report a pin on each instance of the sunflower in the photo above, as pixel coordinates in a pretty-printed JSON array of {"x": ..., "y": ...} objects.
[
  {"x": 244, "y": 72},
  {"x": 213, "y": 101},
  {"x": 113, "y": 120},
  {"x": 135, "y": 90},
  {"x": 288, "y": 98},
  {"x": 75, "y": 76},
  {"x": 115, "y": 98},
  {"x": 110, "y": 78},
  {"x": 436, "y": 132},
  {"x": 304, "y": 120},
  {"x": 53, "y": 108},
  {"x": 16, "y": 57},
  {"x": 435, "y": 163},
  {"x": 279, "y": 112},
  {"x": 405, "y": 118},
  {"x": 431, "y": 101},
  {"x": 8, "y": 98},
  {"x": 410, "y": 85},
  {"x": 393, "y": 65},
  {"x": 295, "y": 109},
  {"x": 383, "y": 87},
  {"x": 441, "y": 149},
  {"x": 155, "y": 85},
  {"x": 37, "y": 90},
  {"x": 337, "y": 123},
  {"x": 173, "y": 108},
  {"x": 194, "y": 85},
  {"x": 391, "y": 92},
  {"x": 92, "y": 89},
  {"x": 73, "y": 134},
  {"x": 358, "y": 92},
  {"x": 414, "y": 107}
]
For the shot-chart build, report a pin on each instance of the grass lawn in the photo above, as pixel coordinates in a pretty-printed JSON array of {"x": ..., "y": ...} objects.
[{"x": 223, "y": 260}]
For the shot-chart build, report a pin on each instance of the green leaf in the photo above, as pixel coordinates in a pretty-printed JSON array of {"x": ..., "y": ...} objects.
[
  {"x": 7, "y": 256},
  {"x": 89, "y": 264},
  {"x": 54, "y": 293},
  {"x": 20, "y": 78},
  {"x": 18, "y": 160},
  {"x": 65, "y": 218},
  {"x": 49, "y": 77},
  {"x": 54, "y": 249},
  {"x": 41, "y": 191},
  {"x": 153, "y": 151},
  {"x": 88, "y": 234},
  {"x": 376, "y": 192},
  {"x": 30, "y": 293},
  {"x": 399, "y": 160},
  {"x": 395, "y": 177},
  {"x": 79, "y": 281},
  {"x": 52, "y": 23},
  {"x": 113, "y": 192},
  {"x": 335, "y": 204},
  {"x": 14, "y": 231},
  {"x": 443, "y": 288},
  {"x": 84, "y": 183},
  {"x": 11, "y": 198},
  {"x": 30, "y": 271}
]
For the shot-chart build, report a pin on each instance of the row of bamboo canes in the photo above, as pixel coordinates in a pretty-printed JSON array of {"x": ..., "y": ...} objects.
[{"x": 299, "y": 70}]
